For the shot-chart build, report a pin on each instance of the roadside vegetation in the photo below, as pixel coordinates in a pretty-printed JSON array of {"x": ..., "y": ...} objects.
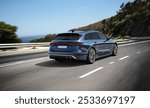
[
  {"x": 133, "y": 19},
  {"x": 7, "y": 33}
]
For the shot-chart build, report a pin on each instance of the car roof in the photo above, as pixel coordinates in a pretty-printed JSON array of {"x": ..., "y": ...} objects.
[{"x": 81, "y": 32}]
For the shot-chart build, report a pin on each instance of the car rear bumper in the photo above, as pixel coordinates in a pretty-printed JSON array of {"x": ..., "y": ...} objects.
[{"x": 64, "y": 55}]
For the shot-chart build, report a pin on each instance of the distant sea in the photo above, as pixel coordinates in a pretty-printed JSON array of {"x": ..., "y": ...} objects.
[{"x": 27, "y": 39}]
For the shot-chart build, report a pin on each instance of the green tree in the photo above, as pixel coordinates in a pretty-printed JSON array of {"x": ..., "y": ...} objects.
[{"x": 7, "y": 33}]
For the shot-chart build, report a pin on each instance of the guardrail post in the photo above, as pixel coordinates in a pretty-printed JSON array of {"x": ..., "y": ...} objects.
[{"x": 34, "y": 47}]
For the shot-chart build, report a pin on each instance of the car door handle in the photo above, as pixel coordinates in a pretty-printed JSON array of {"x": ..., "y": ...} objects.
[{"x": 95, "y": 42}]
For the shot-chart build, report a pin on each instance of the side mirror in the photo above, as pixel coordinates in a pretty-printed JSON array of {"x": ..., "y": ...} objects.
[{"x": 107, "y": 38}]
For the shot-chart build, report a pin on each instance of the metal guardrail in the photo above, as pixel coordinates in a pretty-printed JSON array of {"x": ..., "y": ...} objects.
[
  {"x": 34, "y": 45},
  {"x": 42, "y": 44},
  {"x": 18, "y": 45},
  {"x": 134, "y": 38}
]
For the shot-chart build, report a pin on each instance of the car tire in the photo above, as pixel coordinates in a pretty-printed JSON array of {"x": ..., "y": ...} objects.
[
  {"x": 115, "y": 50},
  {"x": 91, "y": 56}
]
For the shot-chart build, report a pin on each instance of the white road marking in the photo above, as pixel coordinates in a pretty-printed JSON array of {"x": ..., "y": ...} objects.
[
  {"x": 138, "y": 52},
  {"x": 146, "y": 49},
  {"x": 89, "y": 73},
  {"x": 21, "y": 62},
  {"x": 111, "y": 62},
  {"x": 123, "y": 57},
  {"x": 133, "y": 43}
]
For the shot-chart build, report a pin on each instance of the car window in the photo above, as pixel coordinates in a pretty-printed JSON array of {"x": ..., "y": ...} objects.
[
  {"x": 91, "y": 36},
  {"x": 67, "y": 36},
  {"x": 102, "y": 35}
]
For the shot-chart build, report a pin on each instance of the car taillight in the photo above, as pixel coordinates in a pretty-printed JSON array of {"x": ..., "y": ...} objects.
[
  {"x": 75, "y": 43},
  {"x": 66, "y": 43}
]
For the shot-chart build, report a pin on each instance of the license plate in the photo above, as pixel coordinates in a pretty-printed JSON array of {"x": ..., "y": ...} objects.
[{"x": 62, "y": 46}]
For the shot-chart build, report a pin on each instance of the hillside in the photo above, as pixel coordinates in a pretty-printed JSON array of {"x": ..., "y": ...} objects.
[{"x": 133, "y": 19}]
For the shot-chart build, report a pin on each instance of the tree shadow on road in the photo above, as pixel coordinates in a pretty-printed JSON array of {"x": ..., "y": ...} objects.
[{"x": 143, "y": 83}]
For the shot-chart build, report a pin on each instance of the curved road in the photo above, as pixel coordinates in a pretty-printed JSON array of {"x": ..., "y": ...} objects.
[{"x": 129, "y": 70}]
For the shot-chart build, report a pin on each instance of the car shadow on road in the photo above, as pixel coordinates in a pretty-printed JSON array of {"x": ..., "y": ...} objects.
[{"x": 65, "y": 63}]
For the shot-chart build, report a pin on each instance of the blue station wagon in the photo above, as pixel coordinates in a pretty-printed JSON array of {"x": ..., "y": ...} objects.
[{"x": 82, "y": 45}]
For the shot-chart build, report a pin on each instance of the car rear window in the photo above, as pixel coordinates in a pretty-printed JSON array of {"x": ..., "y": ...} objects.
[
  {"x": 67, "y": 36},
  {"x": 92, "y": 36}
]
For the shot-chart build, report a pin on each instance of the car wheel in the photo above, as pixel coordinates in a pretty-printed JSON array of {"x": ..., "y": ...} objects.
[
  {"x": 115, "y": 50},
  {"x": 91, "y": 56}
]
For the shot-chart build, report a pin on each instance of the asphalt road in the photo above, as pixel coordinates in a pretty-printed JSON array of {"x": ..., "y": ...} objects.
[
  {"x": 129, "y": 70},
  {"x": 20, "y": 57}
]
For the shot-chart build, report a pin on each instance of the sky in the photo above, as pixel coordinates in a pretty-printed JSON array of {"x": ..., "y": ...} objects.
[{"x": 38, "y": 17}]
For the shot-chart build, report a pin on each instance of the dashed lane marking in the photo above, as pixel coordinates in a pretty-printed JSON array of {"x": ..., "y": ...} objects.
[
  {"x": 91, "y": 72},
  {"x": 123, "y": 57},
  {"x": 111, "y": 62}
]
